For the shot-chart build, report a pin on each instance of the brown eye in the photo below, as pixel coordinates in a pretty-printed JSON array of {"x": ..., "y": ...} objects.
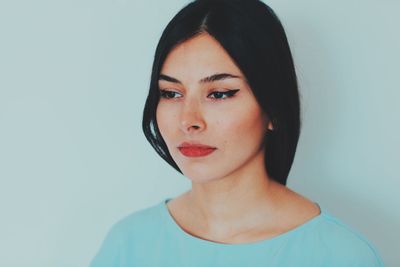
[
  {"x": 167, "y": 94},
  {"x": 219, "y": 95}
]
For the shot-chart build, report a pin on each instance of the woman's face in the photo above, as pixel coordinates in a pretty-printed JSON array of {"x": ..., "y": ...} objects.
[{"x": 220, "y": 112}]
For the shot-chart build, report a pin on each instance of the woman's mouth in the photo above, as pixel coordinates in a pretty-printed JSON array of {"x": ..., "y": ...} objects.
[{"x": 195, "y": 149}]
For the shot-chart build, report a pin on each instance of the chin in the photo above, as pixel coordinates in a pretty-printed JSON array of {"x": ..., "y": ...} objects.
[{"x": 199, "y": 176}]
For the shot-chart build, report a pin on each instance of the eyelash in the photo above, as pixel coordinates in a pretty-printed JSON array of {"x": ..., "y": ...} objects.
[{"x": 228, "y": 94}]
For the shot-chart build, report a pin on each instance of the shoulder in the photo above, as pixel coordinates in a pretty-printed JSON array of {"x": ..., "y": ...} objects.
[
  {"x": 127, "y": 235},
  {"x": 137, "y": 222},
  {"x": 329, "y": 239},
  {"x": 343, "y": 244}
]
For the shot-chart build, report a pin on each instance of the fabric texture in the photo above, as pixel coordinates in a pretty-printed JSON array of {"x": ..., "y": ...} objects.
[{"x": 151, "y": 237}]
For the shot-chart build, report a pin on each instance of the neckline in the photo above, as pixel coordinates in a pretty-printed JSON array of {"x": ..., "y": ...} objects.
[{"x": 182, "y": 234}]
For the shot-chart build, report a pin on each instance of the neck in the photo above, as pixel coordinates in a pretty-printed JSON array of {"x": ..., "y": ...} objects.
[{"x": 237, "y": 201}]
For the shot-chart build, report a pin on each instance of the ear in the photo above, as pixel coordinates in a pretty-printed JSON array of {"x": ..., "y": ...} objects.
[
  {"x": 270, "y": 127},
  {"x": 267, "y": 120}
]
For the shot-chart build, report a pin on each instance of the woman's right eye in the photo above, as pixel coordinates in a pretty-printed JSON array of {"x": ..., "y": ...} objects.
[{"x": 167, "y": 94}]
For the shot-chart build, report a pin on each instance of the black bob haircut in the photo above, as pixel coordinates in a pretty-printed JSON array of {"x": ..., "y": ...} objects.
[{"x": 253, "y": 36}]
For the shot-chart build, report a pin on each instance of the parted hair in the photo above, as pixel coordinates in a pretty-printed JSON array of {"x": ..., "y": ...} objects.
[{"x": 253, "y": 36}]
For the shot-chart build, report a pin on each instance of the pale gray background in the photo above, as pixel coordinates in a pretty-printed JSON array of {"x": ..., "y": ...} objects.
[{"x": 73, "y": 159}]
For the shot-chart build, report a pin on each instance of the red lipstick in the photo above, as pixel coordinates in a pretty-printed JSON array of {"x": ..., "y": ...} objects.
[{"x": 195, "y": 149}]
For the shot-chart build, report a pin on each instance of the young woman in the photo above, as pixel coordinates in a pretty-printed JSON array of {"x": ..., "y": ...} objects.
[{"x": 223, "y": 109}]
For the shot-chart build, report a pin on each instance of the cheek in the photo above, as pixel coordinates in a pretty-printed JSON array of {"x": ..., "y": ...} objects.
[
  {"x": 167, "y": 116},
  {"x": 163, "y": 120},
  {"x": 246, "y": 125}
]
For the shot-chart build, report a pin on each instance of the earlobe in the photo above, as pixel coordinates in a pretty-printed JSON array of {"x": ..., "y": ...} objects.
[{"x": 270, "y": 127}]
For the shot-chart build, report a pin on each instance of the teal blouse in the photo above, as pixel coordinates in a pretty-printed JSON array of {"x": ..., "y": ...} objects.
[{"x": 151, "y": 237}]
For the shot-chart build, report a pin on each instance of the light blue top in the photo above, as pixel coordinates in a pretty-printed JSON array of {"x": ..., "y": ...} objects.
[{"x": 151, "y": 237}]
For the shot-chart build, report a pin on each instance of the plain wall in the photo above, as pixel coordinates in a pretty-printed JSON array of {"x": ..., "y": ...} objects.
[{"x": 74, "y": 160}]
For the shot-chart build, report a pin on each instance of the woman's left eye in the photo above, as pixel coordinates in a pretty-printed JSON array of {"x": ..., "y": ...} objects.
[{"x": 223, "y": 95}]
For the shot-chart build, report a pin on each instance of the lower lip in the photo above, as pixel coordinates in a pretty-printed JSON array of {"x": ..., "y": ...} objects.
[{"x": 196, "y": 152}]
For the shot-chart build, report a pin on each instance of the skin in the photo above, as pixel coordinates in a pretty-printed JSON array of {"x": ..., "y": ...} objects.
[{"x": 232, "y": 199}]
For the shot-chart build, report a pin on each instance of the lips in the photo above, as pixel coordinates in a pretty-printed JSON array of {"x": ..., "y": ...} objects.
[{"x": 195, "y": 149}]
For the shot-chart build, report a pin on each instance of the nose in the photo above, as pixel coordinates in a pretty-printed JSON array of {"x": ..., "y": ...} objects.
[{"x": 191, "y": 118}]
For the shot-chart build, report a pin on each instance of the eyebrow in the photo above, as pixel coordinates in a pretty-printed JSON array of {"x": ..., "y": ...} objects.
[{"x": 209, "y": 79}]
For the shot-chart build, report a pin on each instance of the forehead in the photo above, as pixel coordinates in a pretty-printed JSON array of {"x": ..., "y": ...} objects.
[{"x": 199, "y": 57}]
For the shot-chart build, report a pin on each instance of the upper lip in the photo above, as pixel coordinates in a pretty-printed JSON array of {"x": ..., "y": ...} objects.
[{"x": 194, "y": 144}]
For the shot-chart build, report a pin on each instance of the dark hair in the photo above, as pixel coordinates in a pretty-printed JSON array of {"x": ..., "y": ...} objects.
[{"x": 254, "y": 37}]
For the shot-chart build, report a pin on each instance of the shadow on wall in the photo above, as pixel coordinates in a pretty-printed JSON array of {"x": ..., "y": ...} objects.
[{"x": 328, "y": 91}]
